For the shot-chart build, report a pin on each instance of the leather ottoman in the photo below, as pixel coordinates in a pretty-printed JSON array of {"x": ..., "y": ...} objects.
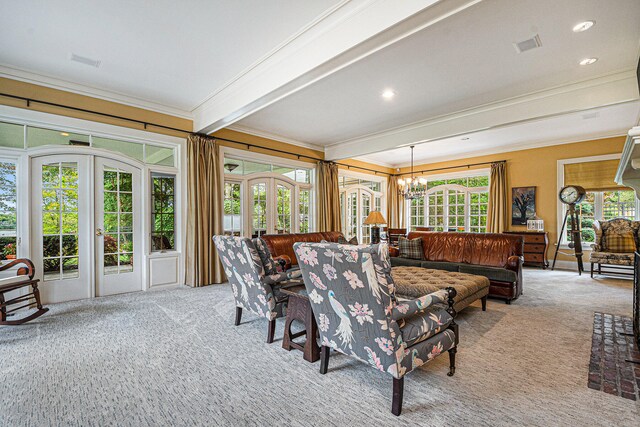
[{"x": 414, "y": 282}]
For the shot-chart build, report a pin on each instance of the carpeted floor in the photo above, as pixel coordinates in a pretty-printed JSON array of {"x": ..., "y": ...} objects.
[{"x": 174, "y": 357}]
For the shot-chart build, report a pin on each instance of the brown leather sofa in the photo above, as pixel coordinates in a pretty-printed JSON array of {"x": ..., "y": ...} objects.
[
  {"x": 281, "y": 245},
  {"x": 498, "y": 257}
]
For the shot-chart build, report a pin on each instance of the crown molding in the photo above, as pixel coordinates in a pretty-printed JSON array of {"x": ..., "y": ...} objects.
[
  {"x": 274, "y": 137},
  {"x": 601, "y": 91},
  {"x": 346, "y": 34},
  {"x": 525, "y": 146},
  {"x": 93, "y": 92}
]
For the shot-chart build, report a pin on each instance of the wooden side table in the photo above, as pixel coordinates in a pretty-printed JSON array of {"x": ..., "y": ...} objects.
[
  {"x": 536, "y": 244},
  {"x": 299, "y": 308}
]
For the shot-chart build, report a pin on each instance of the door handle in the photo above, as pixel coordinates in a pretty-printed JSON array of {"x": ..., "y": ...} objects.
[{"x": 99, "y": 232}]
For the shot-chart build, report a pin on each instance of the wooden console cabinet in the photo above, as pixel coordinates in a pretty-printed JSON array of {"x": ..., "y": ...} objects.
[{"x": 535, "y": 247}]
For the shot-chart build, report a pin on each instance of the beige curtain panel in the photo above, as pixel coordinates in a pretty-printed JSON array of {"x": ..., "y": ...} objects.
[
  {"x": 498, "y": 199},
  {"x": 328, "y": 197},
  {"x": 593, "y": 176},
  {"x": 205, "y": 188},
  {"x": 396, "y": 205}
]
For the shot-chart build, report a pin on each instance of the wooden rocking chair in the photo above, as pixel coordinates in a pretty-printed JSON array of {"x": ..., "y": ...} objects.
[{"x": 23, "y": 279}]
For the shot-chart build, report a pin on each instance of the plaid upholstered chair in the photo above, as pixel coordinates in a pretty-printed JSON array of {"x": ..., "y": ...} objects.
[
  {"x": 616, "y": 241},
  {"x": 256, "y": 287},
  {"x": 352, "y": 296}
]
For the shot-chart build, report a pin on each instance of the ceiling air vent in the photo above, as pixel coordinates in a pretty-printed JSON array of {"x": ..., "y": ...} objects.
[
  {"x": 525, "y": 45},
  {"x": 84, "y": 60}
]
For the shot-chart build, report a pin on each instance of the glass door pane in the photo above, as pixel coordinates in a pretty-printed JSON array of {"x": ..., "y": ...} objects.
[
  {"x": 283, "y": 209},
  {"x": 118, "y": 221},
  {"x": 60, "y": 220},
  {"x": 366, "y": 209},
  {"x": 258, "y": 209}
]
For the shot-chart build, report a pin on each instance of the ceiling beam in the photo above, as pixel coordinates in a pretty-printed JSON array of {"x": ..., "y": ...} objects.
[
  {"x": 352, "y": 31},
  {"x": 607, "y": 90}
]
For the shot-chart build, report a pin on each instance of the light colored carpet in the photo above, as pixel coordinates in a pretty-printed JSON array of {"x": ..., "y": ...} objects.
[{"x": 174, "y": 358}]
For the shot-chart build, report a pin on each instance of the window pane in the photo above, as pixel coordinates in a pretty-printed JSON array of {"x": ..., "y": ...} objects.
[
  {"x": 162, "y": 218},
  {"x": 129, "y": 149},
  {"x": 259, "y": 214},
  {"x": 37, "y": 137},
  {"x": 11, "y": 135},
  {"x": 159, "y": 155},
  {"x": 60, "y": 220}
]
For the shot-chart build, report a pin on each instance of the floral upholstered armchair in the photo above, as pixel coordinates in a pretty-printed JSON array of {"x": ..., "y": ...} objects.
[
  {"x": 616, "y": 242},
  {"x": 353, "y": 299},
  {"x": 255, "y": 286}
]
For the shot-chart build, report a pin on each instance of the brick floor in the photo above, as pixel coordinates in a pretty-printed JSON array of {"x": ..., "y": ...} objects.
[{"x": 610, "y": 347}]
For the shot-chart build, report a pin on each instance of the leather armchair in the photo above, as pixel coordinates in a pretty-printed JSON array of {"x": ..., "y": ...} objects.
[
  {"x": 352, "y": 296},
  {"x": 281, "y": 245}
]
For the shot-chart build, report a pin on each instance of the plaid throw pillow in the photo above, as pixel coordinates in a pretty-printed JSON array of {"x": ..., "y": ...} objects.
[
  {"x": 411, "y": 249},
  {"x": 622, "y": 243}
]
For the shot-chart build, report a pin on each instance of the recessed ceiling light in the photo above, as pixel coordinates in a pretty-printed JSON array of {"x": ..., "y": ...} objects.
[
  {"x": 588, "y": 61},
  {"x": 388, "y": 94},
  {"x": 583, "y": 26},
  {"x": 64, "y": 134}
]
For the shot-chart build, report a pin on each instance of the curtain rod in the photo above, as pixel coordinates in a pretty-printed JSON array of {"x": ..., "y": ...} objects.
[
  {"x": 145, "y": 124},
  {"x": 450, "y": 167},
  {"x": 248, "y": 145},
  {"x": 29, "y": 101}
]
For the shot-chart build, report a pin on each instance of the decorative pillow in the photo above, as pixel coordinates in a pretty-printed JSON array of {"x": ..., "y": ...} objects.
[
  {"x": 343, "y": 241},
  {"x": 270, "y": 266},
  {"x": 411, "y": 249},
  {"x": 621, "y": 242}
]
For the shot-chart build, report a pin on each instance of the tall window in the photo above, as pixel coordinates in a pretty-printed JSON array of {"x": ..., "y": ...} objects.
[
  {"x": 8, "y": 214},
  {"x": 278, "y": 199},
  {"x": 454, "y": 204},
  {"x": 163, "y": 212},
  {"x": 232, "y": 211},
  {"x": 603, "y": 205},
  {"x": 358, "y": 197}
]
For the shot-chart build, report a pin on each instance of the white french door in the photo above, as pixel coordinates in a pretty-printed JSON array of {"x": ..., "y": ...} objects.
[
  {"x": 271, "y": 204},
  {"x": 86, "y": 223},
  {"x": 118, "y": 226},
  {"x": 61, "y": 226},
  {"x": 356, "y": 204}
]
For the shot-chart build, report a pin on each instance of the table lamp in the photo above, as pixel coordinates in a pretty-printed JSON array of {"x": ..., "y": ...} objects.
[{"x": 374, "y": 219}]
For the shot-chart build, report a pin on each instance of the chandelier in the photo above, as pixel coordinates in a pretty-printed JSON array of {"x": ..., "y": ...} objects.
[{"x": 412, "y": 188}]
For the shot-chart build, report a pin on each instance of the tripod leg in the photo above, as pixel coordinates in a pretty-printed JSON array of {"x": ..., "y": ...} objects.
[{"x": 555, "y": 256}]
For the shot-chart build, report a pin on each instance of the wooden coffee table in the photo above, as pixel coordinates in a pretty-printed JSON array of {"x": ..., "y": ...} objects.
[{"x": 299, "y": 308}]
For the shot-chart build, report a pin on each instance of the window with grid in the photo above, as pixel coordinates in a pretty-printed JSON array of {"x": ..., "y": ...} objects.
[
  {"x": 232, "y": 209},
  {"x": 435, "y": 215},
  {"x": 8, "y": 211},
  {"x": 453, "y": 204},
  {"x": 603, "y": 205},
  {"x": 417, "y": 212},
  {"x": 163, "y": 212},
  {"x": 60, "y": 220},
  {"x": 478, "y": 202},
  {"x": 305, "y": 208}
]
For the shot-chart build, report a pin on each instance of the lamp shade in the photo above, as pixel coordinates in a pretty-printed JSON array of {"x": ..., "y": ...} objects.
[{"x": 375, "y": 217}]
